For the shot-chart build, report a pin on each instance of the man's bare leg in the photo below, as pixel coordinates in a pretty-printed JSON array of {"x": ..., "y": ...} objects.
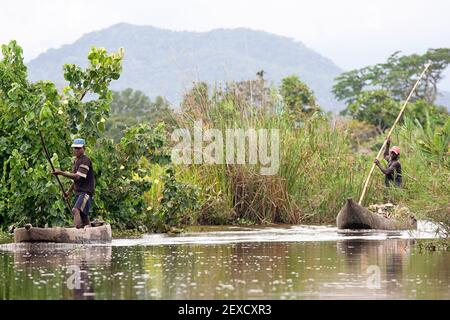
[
  {"x": 77, "y": 218},
  {"x": 86, "y": 221}
]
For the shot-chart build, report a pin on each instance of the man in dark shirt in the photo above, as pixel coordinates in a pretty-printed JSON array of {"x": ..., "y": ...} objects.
[
  {"x": 393, "y": 172},
  {"x": 83, "y": 184}
]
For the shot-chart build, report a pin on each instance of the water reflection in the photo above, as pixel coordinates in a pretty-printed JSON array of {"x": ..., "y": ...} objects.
[
  {"x": 389, "y": 258},
  {"x": 252, "y": 270},
  {"x": 52, "y": 269}
]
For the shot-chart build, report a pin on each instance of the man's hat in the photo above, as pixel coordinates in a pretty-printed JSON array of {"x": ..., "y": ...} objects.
[
  {"x": 396, "y": 150},
  {"x": 78, "y": 143}
]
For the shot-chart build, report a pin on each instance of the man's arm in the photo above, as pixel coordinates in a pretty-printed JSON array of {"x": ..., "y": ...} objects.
[
  {"x": 389, "y": 169},
  {"x": 69, "y": 192},
  {"x": 386, "y": 149},
  {"x": 82, "y": 171},
  {"x": 73, "y": 176}
]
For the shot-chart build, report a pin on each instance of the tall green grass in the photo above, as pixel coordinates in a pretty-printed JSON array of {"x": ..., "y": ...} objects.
[
  {"x": 426, "y": 166},
  {"x": 318, "y": 168}
]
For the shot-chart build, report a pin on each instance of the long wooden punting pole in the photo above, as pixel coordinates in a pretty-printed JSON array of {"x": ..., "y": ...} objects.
[
  {"x": 47, "y": 155},
  {"x": 366, "y": 184}
]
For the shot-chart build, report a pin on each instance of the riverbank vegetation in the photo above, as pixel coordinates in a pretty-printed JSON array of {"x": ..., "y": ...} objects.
[
  {"x": 433, "y": 245},
  {"x": 6, "y": 237},
  {"x": 323, "y": 158}
]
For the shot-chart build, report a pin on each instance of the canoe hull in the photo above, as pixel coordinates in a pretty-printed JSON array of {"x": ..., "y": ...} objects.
[
  {"x": 355, "y": 217},
  {"x": 100, "y": 234}
]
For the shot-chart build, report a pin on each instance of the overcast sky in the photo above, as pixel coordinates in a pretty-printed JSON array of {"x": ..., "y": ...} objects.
[{"x": 353, "y": 33}]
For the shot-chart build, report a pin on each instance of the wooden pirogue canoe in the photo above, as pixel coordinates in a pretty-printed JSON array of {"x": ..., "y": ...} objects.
[
  {"x": 97, "y": 234},
  {"x": 355, "y": 217}
]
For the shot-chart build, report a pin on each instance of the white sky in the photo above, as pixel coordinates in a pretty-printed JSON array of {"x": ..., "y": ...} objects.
[{"x": 353, "y": 33}]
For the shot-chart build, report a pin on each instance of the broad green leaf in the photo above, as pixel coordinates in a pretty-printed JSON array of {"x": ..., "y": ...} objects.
[{"x": 45, "y": 113}]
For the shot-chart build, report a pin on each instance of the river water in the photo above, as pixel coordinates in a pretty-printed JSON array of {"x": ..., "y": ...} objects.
[{"x": 287, "y": 262}]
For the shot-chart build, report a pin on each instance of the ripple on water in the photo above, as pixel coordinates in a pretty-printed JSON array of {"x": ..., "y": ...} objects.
[{"x": 301, "y": 233}]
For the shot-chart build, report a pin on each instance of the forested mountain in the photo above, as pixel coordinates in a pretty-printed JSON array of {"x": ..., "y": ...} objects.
[{"x": 163, "y": 62}]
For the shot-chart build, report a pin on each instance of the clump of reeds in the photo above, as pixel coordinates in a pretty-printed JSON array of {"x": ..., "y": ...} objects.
[{"x": 318, "y": 169}]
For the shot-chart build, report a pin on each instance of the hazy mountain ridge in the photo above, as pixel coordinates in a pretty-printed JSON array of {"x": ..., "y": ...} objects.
[{"x": 164, "y": 62}]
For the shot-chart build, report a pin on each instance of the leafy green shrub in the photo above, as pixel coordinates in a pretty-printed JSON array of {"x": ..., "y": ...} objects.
[
  {"x": 178, "y": 205},
  {"x": 29, "y": 194},
  {"x": 28, "y": 111}
]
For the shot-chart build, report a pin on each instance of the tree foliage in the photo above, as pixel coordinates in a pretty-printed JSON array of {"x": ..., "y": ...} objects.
[
  {"x": 397, "y": 75},
  {"x": 27, "y": 191},
  {"x": 375, "y": 93},
  {"x": 377, "y": 107},
  {"x": 122, "y": 173},
  {"x": 130, "y": 107},
  {"x": 298, "y": 97}
]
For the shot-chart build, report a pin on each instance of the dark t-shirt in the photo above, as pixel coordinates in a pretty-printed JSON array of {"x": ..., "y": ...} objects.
[
  {"x": 83, "y": 167},
  {"x": 394, "y": 173}
]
